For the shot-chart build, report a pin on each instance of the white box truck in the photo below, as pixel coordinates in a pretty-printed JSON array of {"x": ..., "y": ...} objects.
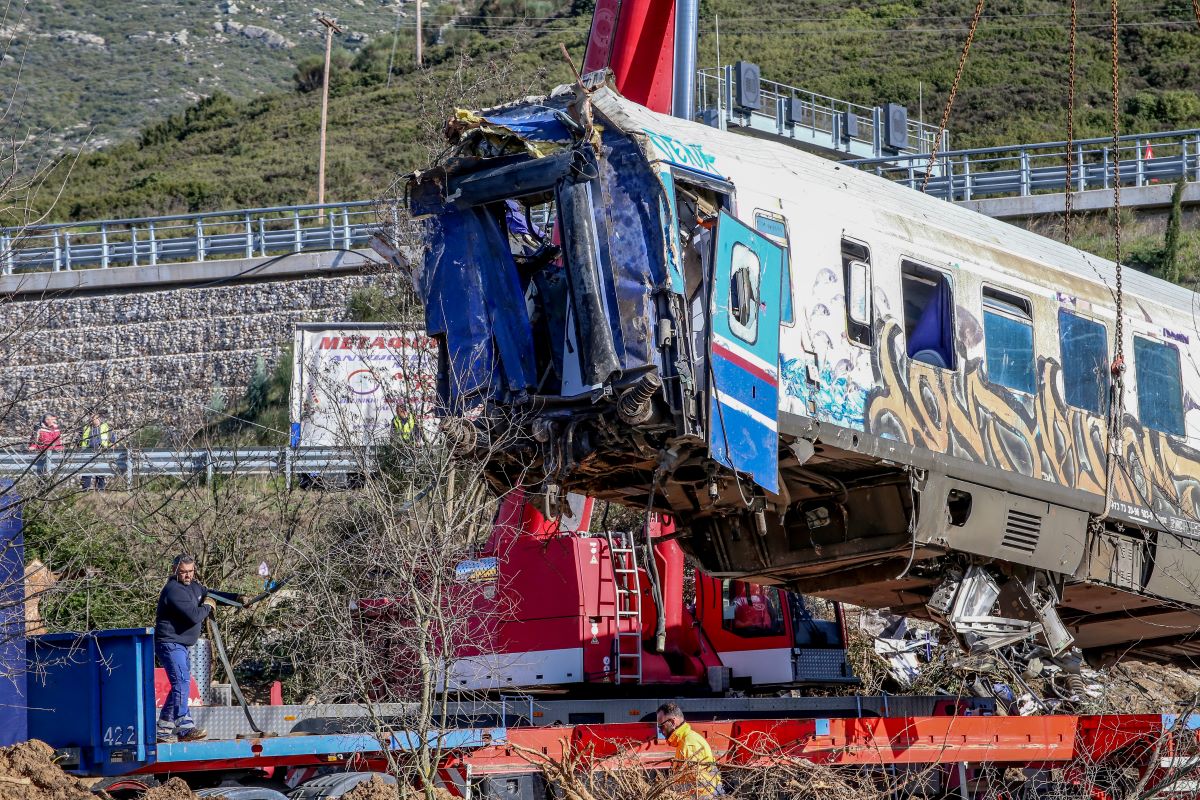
[{"x": 350, "y": 379}]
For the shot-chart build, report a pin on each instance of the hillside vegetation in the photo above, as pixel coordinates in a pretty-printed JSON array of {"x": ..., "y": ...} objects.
[
  {"x": 226, "y": 152},
  {"x": 80, "y": 73}
]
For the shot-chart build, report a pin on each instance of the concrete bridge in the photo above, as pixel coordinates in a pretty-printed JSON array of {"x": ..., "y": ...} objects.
[
  {"x": 163, "y": 321},
  {"x": 1030, "y": 180},
  {"x": 155, "y": 317}
]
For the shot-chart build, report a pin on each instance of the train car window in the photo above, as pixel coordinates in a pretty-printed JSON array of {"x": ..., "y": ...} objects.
[
  {"x": 744, "y": 279},
  {"x": 1008, "y": 340},
  {"x": 774, "y": 227},
  {"x": 751, "y": 609},
  {"x": 856, "y": 277},
  {"x": 928, "y": 315},
  {"x": 1159, "y": 385},
  {"x": 1083, "y": 344}
]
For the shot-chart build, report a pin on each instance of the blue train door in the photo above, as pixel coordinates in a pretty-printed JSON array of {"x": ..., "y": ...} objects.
[{"x": 743, "y": 406}]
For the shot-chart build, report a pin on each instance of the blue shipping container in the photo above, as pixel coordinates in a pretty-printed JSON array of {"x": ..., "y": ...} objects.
[
  {"x": 91, "y": 696},
  {"x": 13, "y": 701}
]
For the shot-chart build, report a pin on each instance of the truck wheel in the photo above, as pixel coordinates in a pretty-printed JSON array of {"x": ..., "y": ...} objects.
[
  {"x": 125, "y": 787},
  {"x": 242, "y": 793},
  {"x": 330, "y": 787}
]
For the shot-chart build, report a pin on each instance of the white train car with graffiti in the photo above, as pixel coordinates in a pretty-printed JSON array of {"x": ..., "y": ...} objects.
[{"x": 834, "y": 382}]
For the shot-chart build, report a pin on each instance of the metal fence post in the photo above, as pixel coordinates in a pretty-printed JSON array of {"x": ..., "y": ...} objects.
[
  {"x": 966, "y": 170},
  {"x": 153, "y": 247},
  {"x": 727, "y": 94},
  {"x": 876, "y": 131},
  {"x": 1025, "y": 176},
  {"x": 287, "y": 467},
  {"x": 249, "y": 237},
  {"x": 103, "y": 247},
  {"x": 1081, "y": 176},
  {"x": 332, "y": 229},
  {"x": 57, "y": 252},
  {"x": 1104, "y": 153},
  {"x": 1197, "y": 175},
  {"x": 1139, "y": 163},
  {"x": 262, "y": 237},
  {"x": 199, "y": 238},
  {"x": 129, "y": 456},
  {"x": 6, "y": 244},
  {"x": 346, "y": 241},
  {"x": 66, "y": 238},
  {"x": 296, "y": 242},
  {"x": 133, "y": 243}
]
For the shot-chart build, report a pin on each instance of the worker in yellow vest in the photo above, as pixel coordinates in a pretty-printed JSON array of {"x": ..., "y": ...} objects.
[
  {"x": 404, "y": 424},
  {"x": 693, "y": 768},
  {"x": 97, "y": 438}
]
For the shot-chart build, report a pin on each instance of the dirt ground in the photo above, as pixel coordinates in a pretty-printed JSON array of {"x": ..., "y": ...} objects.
[
  {"x": 377, "y": 789},
  {"x": 374, "y": 789},
  {"x": 1138, "y": 687},
  {"x": 173, "y": 789},
  {"x": 28, "y": 772}
]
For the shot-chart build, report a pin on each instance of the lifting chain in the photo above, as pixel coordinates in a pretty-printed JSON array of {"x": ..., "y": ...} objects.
[
  {"x": 962, "y": 63},
  {"x": 1116, "y": 137},
  {"x": 1116, "y": 410},
  {"x": 1071, "y": 124}
]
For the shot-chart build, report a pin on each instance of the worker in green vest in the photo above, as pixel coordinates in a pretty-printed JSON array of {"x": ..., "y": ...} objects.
[
  {"x": 404, "y": 424},
  {"x": 96, "y": 438}
]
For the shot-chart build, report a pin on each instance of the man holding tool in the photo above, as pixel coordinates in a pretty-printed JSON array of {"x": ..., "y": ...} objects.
[{"x": 183, "y": 606}]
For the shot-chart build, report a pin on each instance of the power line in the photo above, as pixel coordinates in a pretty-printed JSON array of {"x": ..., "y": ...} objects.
[{"x": 820, "y": 30}]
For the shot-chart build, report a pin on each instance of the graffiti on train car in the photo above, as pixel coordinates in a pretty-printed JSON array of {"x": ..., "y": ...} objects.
[{"x": 962, "y": 414}]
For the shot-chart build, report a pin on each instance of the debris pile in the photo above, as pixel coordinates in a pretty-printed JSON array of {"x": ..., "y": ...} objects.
[
  {"x": 173, "y": 789},
  {"x": 28, "y": 772},
  {"x": 379, "y": 789},
  {"x": 902, "y": 655}
]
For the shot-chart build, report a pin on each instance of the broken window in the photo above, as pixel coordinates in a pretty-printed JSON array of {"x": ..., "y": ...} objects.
[
  {"x": 928, "y": 315},
  {"x": 774, "y": 227},
  {"x": 1159, "y": 385},
  {"x": 1008, "y": 340},
  {"x": 751, "y": 609},
  {"x": 744, "y": 276},
  {"x": 856, "y": 273},
  {"x": 1083, "y": 345}
]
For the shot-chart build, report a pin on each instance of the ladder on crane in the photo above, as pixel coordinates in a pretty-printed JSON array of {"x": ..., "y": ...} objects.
[{"x": 628, "y": 607}]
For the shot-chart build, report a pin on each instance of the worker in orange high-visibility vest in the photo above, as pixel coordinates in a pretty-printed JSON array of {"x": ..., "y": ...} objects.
[{"x": 693, "y": 768}]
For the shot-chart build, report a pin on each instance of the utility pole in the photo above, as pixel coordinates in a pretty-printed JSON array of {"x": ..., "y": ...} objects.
[
  {"x": 330, "y": 28},
  {"x": 420, "y": 42}
]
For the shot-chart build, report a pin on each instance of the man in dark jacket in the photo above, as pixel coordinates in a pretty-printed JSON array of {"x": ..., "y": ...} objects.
[{"x": 183, "y": 606}]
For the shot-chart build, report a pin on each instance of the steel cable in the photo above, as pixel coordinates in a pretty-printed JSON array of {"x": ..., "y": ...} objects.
[
  {"x": 1116, "y": 409},
  {"x": 1071, "y": 124},
  {"x": 962, "y": 64}
]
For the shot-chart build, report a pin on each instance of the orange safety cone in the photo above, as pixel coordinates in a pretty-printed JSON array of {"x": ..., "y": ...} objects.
[{"x": 1149, "y": 155}]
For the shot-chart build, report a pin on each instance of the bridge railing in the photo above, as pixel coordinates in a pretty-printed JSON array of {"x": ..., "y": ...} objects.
[
  {"x": 135, "y": 465},
  {"x": 797, "y": 113},
  {"x": 1029, "y": 169},
  {"x": 148, "y": 241}
]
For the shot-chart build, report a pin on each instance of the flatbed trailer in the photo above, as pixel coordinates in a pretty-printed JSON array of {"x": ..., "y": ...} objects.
[
  {"x": 1100, "y": 757},
  {"x": 1087, "y": 756},
  {"x": 96, "y": 708}
]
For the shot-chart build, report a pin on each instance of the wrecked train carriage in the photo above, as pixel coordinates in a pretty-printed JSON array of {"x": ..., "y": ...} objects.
[{"x": 833, "y": 381}]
